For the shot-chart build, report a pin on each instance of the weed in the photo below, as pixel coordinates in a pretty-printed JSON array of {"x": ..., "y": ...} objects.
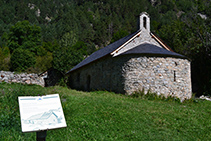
[
  {"x": 63, "y": 82},
  {"x": 154, "y": 96}
]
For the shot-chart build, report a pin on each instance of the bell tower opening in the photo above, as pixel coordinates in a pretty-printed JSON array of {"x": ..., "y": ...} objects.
[{"x": 145, "y": 22}]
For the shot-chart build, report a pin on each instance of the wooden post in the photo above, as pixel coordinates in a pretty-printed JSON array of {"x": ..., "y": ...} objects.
[{"x": 41, "y": 135}]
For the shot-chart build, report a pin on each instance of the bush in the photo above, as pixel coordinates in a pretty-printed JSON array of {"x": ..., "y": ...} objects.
[
  {"x": 4, "y": 58},
  {"x": 153, "y": 96},
  {"x": 22, "y": 59},
  {"x": 44, "y": 62},
  {"x": 41, "y": 51}
]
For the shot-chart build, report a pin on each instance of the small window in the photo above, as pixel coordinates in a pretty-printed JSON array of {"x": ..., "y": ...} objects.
[
  {"x": 174, "y": 76},
  {"x": 145, "y": 22}
]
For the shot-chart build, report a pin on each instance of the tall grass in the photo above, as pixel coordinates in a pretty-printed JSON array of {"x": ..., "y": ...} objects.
[{"x": 104, "y": 115}]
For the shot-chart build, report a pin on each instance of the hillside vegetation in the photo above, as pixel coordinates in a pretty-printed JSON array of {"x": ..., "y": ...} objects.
[
  {"x": 62, "y": 33},
  {"x": 107, "y": 116}
]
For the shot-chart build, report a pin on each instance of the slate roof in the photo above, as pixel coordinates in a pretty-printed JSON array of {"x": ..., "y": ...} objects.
[
  {"x": 152, "y": 49},
  {"x": 140, "y": 49},
  {"x": 103, "y": 52}
]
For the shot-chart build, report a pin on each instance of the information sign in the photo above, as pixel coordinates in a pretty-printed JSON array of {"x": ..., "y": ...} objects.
[{"x": 39, "y": 113}]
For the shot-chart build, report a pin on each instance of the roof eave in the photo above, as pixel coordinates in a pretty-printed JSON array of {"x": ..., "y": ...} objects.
[
  {"x": 72, "y": 70},
  {"x": 161, "y": 42}
]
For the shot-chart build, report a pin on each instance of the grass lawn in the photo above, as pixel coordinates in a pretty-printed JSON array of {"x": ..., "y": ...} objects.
[{"x": 103, "y": 115}]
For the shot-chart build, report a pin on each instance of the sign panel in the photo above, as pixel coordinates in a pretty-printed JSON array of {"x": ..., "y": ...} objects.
[{"x": 41, "y": 113}]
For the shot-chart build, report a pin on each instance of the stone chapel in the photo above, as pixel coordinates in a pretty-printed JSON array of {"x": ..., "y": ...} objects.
[{"x": 139, "y": 61}]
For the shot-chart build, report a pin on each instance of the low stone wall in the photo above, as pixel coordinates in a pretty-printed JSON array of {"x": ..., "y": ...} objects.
[{"x": 24, "y": 78}]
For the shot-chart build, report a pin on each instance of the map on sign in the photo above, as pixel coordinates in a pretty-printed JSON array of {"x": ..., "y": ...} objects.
[{"x": 41, "y": 113}]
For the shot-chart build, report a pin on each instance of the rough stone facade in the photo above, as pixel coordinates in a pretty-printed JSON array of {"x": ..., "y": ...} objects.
[
  {"x": 24, "y": 78},
  {"x": 163, "y": 75},
  {"x": 130, "y": 73}
]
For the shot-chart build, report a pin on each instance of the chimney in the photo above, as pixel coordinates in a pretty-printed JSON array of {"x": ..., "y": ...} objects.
[{"x": 144, "y": 21}]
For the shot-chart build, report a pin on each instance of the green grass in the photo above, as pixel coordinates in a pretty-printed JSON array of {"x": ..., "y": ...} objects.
[{"x": 107, "y": 116}]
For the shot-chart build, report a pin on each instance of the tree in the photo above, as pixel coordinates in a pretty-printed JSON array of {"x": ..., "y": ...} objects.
[
  {"x": 25, "y": 36},
  {"x": 66, "y": 57},
  {"x": 24, "y": 42},
  {"x": 175, "y": 35},
  {"x": 68, "y": 39},
  {"x": 200, "y": 51},
  {"x": 118, "y": 35},
  {"x": 22, "y": 59},
  {"x": 191, "y": 37}
]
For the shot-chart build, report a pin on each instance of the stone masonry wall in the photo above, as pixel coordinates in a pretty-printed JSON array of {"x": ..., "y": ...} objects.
[
  {"x": 129, "y": 73},
  {"x": 163, "y": 75},
  {"x": 104, "y": 74},
  {"x": 24, "y": 78}
]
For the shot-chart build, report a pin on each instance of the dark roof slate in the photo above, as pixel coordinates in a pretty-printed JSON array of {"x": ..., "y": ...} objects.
[
  {"x": 151, "y": 49},
  {"x": 145, "y": 48},
  {"x": 104, "y": 51}
]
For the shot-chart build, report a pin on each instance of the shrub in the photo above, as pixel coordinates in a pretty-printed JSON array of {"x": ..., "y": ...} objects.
[
  {"x": 4, "y": 58},
  {"x": 41, "y": 51},
  {"x": 153, "y": 96}
]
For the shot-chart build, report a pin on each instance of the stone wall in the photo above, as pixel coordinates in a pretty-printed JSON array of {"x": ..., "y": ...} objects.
[
  {"x": 104, "y": 74},
  {"x": 129, "y": 73},
  {"x": 163, "y": 75},
  {"x": 24, "y": 78}
]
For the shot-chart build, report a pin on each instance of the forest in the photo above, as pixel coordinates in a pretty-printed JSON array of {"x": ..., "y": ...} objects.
[{"x": 36, "y": 35}]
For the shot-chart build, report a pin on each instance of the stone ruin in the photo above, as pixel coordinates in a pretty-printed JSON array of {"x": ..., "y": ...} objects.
[{"x": 24, "y": 78}]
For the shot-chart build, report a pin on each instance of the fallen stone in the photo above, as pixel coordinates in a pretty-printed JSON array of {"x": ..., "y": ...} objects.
[
  {"x": 205, "y": 97},
  {"x": 28, "y": 81}
]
